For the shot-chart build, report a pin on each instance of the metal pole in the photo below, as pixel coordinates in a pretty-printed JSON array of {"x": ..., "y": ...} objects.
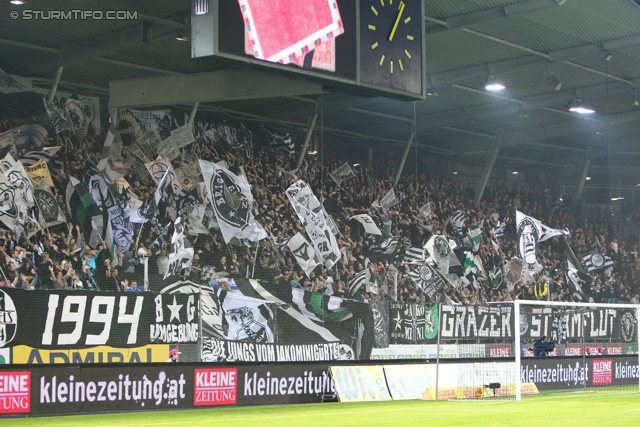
[
  {"x": 638, "y": 342},
  {"x": 404, "y": 156},
  {"x": 486, "y": 172},
  {"x": 146, "y": 273},
  {"x": 583, "y": 176},
  {"x": 54, "y": 86},
  {"x": 253, "y": 270},
  {"x": 200, "y": 323},
  {"x": 395, "y": 286},
  {"x": 192, "y": 114},
  {"x": 307, "y": 137},
  {"x": 518, "y": 354},
  {"x": 438, "y": 348}
]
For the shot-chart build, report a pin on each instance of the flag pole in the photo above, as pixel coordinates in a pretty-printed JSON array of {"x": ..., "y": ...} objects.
[{"x": 253, "y": 270}]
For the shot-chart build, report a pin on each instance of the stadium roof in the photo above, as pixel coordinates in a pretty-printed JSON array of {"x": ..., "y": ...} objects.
[{"x": 592, "y": 47}]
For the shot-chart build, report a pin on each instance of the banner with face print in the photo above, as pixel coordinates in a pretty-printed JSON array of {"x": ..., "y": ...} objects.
[
  {"x": 16, "y": 174},
  {"x": 309, "y": 212},
  {"x": 529, "y": 231}
]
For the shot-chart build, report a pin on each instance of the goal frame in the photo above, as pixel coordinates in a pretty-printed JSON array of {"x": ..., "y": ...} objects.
[{"x": 516, "y": 308}]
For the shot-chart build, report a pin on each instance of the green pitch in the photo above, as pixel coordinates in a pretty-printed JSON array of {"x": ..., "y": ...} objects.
[{"x": 579, "y": 410}]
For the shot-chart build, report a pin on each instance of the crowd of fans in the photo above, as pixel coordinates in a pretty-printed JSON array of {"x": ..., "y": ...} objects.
[{"x": 60, "y": 258}]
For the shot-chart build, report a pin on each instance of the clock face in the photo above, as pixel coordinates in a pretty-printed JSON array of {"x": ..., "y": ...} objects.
[{"x": 391, "y": 44}]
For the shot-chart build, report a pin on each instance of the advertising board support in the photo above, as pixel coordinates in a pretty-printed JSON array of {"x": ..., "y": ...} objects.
[
  {"x": 517, "y": 349},
  {"x": 438, "y": 348}
]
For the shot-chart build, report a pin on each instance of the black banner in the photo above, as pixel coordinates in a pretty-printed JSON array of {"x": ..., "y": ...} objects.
[
  {"x": 80, "y": 319},
  {"x": 216, "y": 350},
  {"x": 573, "y": 326},
  {"x": 550, "y": 373},
  {"x": 406, "y": 323},
  {"x": 473, "y": 322}
]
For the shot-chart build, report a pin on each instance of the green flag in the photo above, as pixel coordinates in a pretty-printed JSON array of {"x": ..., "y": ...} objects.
[{"x": 431, "y": 322}]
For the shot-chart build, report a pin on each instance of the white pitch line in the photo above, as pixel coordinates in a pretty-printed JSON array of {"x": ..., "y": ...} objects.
[{"x": 258, "y": 417}]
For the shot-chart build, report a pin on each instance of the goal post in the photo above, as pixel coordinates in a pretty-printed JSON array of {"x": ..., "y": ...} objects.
[{"x": 583, "y": 329}]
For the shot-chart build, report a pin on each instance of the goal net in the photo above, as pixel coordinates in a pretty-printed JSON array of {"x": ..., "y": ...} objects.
[
  {"x": 568, "y": 347},
  {"x": 536, "y": 347}
]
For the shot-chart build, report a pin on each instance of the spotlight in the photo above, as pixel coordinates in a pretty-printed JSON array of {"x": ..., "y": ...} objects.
[
  {"x": 182, "y": 37},
  {"x": 576, "y": 106},
  {"x": 613, "y": 199},
  {"x": 491, "y": 84},
  {"x": 635, "y": 99},
  {"x": 455, "y": 172},
  {"x": 588, "y": 178},
  {"x": 17, "y": 2},
  {"x": 356, "y": 165},
  {"x": 201, "y": 7},
  {"x": 554, "y": 82},
  {"x": 515, "y": 172}
]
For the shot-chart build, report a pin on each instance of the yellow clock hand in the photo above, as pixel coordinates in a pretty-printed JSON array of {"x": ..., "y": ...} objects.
[{"x": 395, "y": 26}]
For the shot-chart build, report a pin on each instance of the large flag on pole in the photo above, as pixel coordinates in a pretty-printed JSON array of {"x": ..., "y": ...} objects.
[
  {"x": 529, "y": 231},
  {"x": 304, "y": 252},
  {"x": 229, "y": 196},
  {"x": 50, "y": 211},
  {"x": 597, "y": 262},
  {"x": 82, "y": 207},
  {"x": 427, "y": 279},
  {"x": 310, "y": 213},
  {"x": 111, "y": 164},
  {"x": 150, "y": 206},
  {"x": 182, "y": 254}
]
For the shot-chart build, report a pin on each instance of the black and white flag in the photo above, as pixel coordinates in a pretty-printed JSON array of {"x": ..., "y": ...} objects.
[
  {"x": 440, "y": 250},
  {"x": 149, "y": 208},
  {"x": 283, "y": 142},
  {"x": 515, "y": 270},
  {"x": 343, "y": 173},
  {"x": 30, "y": 158},
  {"x": 597, "y": 262},
  {"x": 414, "y": 255},
  {"x": 528, "y": 230},
  {"x": 425, "y": 212},
  {"x": 498, "y": 230},
  {"x": 457, "y": 221},
  {"x": 427, "y": 279},
  {"x": 231, "y": 202},
  {"x": 50, "y": 211},
  {"x": 579, "y": 283},
  {"x": 246, "y": 319},
  {"x": 388, "y": 201},
  {"x": 181, "y": 256},
  {"x": 496, "y": 278},
  {"x": 309, "y": 211},
  {"x": 391, "y": 250},
  {"x": 111, "y": 163},
  {"x": 548, "y": 232},
  {"x": 358, "y": 281},
  {"x": 368, "y": 224},
  {"x": 303, "y": 252},
  {"x": 157, "y": 170}
]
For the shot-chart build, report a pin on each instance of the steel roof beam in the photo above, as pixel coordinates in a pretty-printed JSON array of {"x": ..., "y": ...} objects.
[
  {"x": 488, "y": 15},
  {"x": 216, "y": 86},
  {"x": 332, "y": 102}
]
